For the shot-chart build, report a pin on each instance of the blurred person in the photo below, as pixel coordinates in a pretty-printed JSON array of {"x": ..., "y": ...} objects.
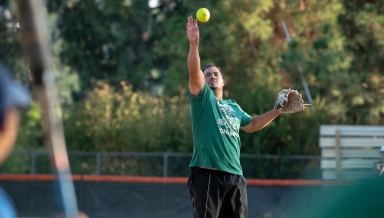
[
  {"x": 216, "y": 185},
  {"x": 12, "y": 96},
  {"x": 378, "y": 166}
]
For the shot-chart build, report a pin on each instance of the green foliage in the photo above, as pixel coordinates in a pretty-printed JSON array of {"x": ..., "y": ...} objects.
[
  {"x": 31, "y": 135},
  {"x": 10, "y": 47},
  {"x": 17, "y": 164},
  {"x": 362, "y": 26},
  {"x": 124, "y": 120},
  {"x": 11, "y": 54},
  {"x": 338, "y": 44},
  {"x": 101, "y": 40},
  {"x": 343, "y": 63}
]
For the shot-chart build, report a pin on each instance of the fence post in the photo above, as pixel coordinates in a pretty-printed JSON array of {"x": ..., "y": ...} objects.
[
  {"x": 165, "y": 164},
  {"x": 33, "y": 162},
  {"x": 337, "y": 153},
  {"x": 98, "y": 163}
]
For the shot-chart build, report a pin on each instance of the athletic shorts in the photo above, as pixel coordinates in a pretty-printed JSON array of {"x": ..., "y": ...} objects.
[{"x": 217, "y": 194}]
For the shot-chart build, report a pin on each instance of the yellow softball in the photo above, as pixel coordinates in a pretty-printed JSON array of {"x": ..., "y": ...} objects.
[{"x": 203, "y": 15}]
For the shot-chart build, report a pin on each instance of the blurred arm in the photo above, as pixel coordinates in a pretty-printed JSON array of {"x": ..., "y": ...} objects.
[
  {"x": 377, "y": 169},
  {"x": 8, "y": 133}
]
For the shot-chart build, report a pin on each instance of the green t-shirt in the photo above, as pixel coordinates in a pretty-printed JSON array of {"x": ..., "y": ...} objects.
[{"x": 215, "y": 129}]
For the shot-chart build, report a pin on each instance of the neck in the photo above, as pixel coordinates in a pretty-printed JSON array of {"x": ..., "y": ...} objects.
[{"x": 218, "y": 94}]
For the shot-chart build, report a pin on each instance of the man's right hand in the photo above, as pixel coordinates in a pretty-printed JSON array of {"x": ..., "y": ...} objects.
[{"x": 192, "y": 30}]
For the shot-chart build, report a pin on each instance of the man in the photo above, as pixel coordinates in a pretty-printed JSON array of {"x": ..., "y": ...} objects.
[
  {"x": 216, "y": 184},
  {"x": 12, "y": 96},
  {"x": 378, "y": 166}
]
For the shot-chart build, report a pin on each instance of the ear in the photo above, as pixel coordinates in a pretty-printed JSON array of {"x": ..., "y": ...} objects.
[{"x": 223, "y": 82}]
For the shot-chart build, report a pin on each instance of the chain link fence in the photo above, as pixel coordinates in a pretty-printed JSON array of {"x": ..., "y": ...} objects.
[{"x": 162, "y": 164}]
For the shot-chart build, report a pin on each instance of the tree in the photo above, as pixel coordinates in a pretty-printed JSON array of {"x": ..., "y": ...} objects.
[
  {"x": 103, "y": 40},
  {"x": 362, "y": 26}
]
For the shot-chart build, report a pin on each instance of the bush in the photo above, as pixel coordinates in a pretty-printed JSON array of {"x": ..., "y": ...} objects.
[{"x": 124, "y": 120}]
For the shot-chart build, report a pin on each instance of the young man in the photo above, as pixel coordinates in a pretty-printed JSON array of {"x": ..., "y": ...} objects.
[
  {"x": 12, "y": 96},
  {"x": 216, "y": 184}
]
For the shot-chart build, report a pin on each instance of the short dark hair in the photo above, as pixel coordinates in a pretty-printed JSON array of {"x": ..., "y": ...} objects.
[{"x": 212, "y": 65}]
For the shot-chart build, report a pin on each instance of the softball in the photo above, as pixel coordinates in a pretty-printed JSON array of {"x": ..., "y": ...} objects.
[{"x": 202, "y": 15}]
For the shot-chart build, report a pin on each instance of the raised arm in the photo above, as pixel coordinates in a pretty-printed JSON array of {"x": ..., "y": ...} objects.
[
  {"x": 196, "y": 78},
  {"x": 261, "y": 121}
]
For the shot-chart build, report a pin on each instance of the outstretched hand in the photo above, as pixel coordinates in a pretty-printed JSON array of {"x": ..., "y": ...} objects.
[
  {"x": 289, "y": 101},
  {"x": 192, "y": 30}
]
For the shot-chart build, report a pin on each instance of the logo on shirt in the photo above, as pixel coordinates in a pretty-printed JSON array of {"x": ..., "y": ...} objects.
[{"x": 230, "y": 124}]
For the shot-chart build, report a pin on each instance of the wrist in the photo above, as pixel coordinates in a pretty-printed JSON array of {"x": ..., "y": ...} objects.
[
  {"x": 277, "y": 112},
  {"x": 194, "y": 43}
]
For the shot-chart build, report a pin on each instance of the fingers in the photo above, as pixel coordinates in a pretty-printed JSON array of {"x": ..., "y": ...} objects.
[{"x": 191, "y": 22}]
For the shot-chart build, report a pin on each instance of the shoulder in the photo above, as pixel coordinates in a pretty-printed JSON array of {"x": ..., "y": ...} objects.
[
  {"x": 229, "y": 101},
  {"x": 6, "y": 204},
  {"x": 202, "y": 92},
  {"x": 204, "y": 96}
]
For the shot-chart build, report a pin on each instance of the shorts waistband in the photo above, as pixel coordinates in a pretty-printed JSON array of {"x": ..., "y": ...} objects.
[{"x": 203, "y": 170}]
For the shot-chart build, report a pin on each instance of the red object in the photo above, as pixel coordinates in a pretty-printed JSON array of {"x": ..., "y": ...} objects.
[{"x": 149, "y": 179}]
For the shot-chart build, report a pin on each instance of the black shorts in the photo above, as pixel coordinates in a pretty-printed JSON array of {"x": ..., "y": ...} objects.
[{"x": 217, "y": 194}]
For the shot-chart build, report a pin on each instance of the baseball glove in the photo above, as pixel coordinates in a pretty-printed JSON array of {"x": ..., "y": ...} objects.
[{"x": 289, "y": 101}]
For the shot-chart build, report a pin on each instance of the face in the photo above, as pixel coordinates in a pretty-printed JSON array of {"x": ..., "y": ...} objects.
[{"x": 213, "y": 78}]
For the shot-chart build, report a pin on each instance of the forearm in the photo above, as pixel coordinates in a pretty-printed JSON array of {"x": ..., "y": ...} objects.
[
  {"x": 193, "y": 59},
  {"x": 196, "y": 79},
  {"x": 261, "y": 121}
]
